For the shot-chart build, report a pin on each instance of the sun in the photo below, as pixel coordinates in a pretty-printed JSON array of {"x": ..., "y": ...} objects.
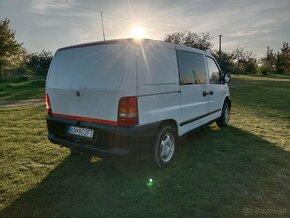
[{"x": 137, "y": 32}]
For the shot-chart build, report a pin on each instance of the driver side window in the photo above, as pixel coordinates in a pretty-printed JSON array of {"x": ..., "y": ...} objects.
[{"x": 213, "y": 70}]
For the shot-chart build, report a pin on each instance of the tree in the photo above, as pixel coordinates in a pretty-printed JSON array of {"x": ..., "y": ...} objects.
[
  {"x": 283, "y": 59},
  {"x": 245, "y": 60},
  {"x": 226, "y": 61},
  {"x": 11, "y": 52},
  {"x": 202, "y": 41},
  {"x": 38, "y": 63},
  {"x": 268, "y": 63},
  {"x": 270, "y": 58}
]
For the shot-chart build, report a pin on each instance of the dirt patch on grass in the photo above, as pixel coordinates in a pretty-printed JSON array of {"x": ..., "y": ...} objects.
[{"x": 4, "y": 104}]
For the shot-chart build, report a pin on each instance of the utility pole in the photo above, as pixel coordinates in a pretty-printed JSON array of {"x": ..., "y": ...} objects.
[
  {"x": 220, "y": 45},
  {"x": 103, "y": 26}
]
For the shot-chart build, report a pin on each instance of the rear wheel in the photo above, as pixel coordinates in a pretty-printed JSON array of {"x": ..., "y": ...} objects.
[
  {"x": 225, "y": 117},
  {"x": 165, "y": 146}
]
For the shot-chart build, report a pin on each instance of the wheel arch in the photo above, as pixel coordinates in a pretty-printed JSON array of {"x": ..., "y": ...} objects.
[
  {"x": 227, "y": 99},
  {"x": 169, "y": 122}
]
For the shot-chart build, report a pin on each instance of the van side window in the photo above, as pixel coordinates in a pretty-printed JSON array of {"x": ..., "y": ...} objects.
[
  {"x": 191, "y": 68},
  {"x": 213, "y": 70}
]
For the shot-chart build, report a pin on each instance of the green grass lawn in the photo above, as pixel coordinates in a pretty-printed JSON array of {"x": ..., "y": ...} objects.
[
  {"x": 217, "y": 172},
  {"x": 22, "y": 89}
]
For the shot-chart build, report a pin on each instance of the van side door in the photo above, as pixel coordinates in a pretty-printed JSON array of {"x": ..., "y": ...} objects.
[
  {"x": 216, "y": 88},
  {"x": 194, "y": 89}
]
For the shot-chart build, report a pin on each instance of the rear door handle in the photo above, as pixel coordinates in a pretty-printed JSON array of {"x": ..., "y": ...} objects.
[
  {"x": 204, "y": 93},
  {"x": 211, "y": 93}
]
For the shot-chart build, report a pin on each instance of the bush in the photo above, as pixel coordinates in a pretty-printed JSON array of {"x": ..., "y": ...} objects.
[
  {"x": 265, "y": 69},
  {"x": 19, "y": 79}
]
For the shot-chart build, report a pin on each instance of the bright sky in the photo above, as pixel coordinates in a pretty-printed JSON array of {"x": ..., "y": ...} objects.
[{"x": 50, "y": 24}]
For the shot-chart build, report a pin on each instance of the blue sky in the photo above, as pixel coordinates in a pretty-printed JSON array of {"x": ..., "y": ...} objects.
[{"x": 50, "y": 24}]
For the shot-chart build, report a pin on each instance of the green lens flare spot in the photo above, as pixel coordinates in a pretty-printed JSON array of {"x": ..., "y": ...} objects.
[{"x": 150, "y": 183}]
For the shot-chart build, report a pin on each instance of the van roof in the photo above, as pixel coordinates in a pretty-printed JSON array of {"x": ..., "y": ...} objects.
[{"x": 132, "y": 40}]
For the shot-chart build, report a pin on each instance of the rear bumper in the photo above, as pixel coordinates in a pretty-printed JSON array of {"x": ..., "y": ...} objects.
[{"x": 108, "y": 141}]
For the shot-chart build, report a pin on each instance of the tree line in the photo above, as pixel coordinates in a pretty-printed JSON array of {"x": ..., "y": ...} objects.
[
  {"x": 14, "y": 56},
  {"x": 239, "y": 60}
]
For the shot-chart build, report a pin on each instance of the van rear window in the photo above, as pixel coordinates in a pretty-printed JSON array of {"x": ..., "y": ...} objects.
[
  {"x": 93, "y": 67},
  {"x": 191, "y": 68}
]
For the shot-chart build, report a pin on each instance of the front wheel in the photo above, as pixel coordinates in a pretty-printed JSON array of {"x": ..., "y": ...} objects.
[
  {"x": 165, "y": 146},
  {"x": 225, "y": 117}
]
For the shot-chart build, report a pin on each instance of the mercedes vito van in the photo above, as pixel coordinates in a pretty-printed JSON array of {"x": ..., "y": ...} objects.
[{"x": 132, "y": 97}]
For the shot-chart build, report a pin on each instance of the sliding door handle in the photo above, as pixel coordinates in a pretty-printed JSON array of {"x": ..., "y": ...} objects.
[{"x": 204, "y": 93}]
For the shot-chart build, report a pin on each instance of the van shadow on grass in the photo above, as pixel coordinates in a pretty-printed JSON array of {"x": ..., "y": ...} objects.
[{"x": 216, "y": 173}]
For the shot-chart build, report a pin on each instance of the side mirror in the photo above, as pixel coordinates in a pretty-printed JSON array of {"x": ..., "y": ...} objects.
[{"x": 227, "y": 78}]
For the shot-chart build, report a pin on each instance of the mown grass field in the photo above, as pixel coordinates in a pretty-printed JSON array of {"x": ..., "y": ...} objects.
[
  {"x": 238, "y": 171},
  {"x": 22, "y": 89}
]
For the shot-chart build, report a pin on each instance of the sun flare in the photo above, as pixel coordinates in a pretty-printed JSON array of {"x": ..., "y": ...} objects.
[{"x": 137, "y": 32}]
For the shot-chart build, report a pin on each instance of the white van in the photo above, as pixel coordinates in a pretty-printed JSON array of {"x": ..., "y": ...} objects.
[{"x": 132, "y": 97}]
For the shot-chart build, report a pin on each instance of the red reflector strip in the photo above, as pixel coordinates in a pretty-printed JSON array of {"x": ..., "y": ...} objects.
[{"x": 114, "y": 123}]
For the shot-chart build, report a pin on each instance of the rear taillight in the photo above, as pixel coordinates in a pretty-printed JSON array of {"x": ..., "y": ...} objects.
[
  {"x": 128, "y": 111},
  {"x": 48, "y": 107}
]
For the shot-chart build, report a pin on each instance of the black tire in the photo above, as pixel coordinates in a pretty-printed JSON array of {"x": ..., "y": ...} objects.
[
  {"x": 225, "y": 117},
  {"x": 165, "y": 143}
]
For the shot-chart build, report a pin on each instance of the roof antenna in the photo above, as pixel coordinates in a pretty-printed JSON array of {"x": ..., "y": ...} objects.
[{"x": 103, "y": 26}]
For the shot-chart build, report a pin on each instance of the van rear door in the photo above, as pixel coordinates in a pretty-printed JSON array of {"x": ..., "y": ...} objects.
[{"x": 86, "y": 82}]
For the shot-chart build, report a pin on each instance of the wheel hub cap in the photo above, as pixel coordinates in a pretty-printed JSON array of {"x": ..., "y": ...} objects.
[{"x": 167, "y": 147}]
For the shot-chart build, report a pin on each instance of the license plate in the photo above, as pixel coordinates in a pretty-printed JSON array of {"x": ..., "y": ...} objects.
[{"x": 88, "y": 133}]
